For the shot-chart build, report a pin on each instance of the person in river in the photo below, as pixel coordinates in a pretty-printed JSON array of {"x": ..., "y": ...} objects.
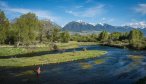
[{"x": 37, "y": 71}]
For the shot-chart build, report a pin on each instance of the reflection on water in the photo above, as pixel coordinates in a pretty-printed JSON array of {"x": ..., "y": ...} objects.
[{"x": 118, "y": 66}]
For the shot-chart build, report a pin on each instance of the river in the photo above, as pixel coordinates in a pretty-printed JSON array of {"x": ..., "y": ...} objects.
[{"x": 115, "y": 67}]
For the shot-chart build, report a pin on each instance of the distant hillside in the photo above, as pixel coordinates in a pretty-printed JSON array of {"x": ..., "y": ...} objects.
[
  {"x": 86, "y": 27},
  {"x": 78, "y": 27},
  {"x": 49, "y": 24}
]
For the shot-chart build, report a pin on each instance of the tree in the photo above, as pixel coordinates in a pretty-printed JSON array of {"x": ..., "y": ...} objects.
[
  {"x": 4, "y": 26},
  {"x": 103, "y": 36},
  {"x": 75, "y": 37},
  {"x": 65, "y": 37},
  {"x": 26, "y": 29},
  {"x": 124, "y": 36},
  {"x": 46, "y": 28},
  {"x": 115, "y": 35},
  {"x": 53, "y": 34},
  {"x": 136, "y": 38}
]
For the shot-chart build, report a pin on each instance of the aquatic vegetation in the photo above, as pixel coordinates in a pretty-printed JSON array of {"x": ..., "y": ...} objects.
[
  {"x": 86, "y": 65},
  {"x": 136, "y": 62},
  {"x": 99, "y": 61},
  {"x": 136, "y": 57}
]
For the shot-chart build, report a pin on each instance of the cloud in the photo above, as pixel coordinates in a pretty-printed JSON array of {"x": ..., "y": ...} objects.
[
  {"x": 89, "y": 12},
  {"x": 140, "y": 24},
  {"x": 42, "y": 14},
  {"x": 141, "y": 8}
]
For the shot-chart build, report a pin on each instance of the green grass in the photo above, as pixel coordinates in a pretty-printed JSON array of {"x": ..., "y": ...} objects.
[
  {"x": 87, "y": 43},
  {"x": 71, "y": 44},
  {"x": 12, "y": 51},
  {"x": 74, "y": 44},
  {"x": 48, "y": 58},
  {"x": 51, "y": 58}
]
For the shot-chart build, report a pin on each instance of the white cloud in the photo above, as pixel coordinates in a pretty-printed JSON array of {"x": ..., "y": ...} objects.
[
  {"x": 141, "y": 8},
  {"x": 42, "y": 14},
  {"x": 141, "y": 24},
  {"x": 89, "y": 12}
]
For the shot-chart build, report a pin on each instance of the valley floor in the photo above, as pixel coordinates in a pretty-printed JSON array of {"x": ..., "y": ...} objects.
[{"x": 10, "y": 56}]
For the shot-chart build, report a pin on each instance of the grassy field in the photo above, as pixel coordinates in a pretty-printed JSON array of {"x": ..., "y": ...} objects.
[
  {"x": 51, "y": 58},
  {"x": 10, "y": 56},
  {"x": 74, "y": 44},
  {"x": 10, "y": 50}
]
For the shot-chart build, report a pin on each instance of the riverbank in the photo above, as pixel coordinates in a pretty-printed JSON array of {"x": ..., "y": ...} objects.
[
  {"x": 70, "y": 44},
  {"x": 50, "y": 58},
  {"x": 116, "y": 45},
  {"x": 123, "y": 44},
  {"x": 10, "y": 56},
  {"x": 7, "y": 50}
]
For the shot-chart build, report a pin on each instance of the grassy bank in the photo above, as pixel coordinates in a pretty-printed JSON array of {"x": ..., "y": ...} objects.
[
  {"x": 74, "y": 44},
  {"x": 11, "y": 50},
  {"x": 10, "y": 56},
  {"x": 51, "y": 58}
]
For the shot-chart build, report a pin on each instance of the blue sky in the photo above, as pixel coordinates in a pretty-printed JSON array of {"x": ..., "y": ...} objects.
[{"x": 114, "y": 12}]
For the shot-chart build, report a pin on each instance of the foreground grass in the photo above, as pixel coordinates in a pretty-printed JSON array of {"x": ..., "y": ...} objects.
[{"x": 51, "y": 58}]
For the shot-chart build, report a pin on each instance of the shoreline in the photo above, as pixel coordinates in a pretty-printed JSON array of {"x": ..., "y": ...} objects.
[{"x": 122, "y": 47}]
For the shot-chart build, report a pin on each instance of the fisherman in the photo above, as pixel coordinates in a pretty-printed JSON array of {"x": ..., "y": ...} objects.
[{"x": 38, "y": 71}]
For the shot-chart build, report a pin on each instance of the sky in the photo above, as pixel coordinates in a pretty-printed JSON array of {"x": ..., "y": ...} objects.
[{"x": 114, "y": 12}]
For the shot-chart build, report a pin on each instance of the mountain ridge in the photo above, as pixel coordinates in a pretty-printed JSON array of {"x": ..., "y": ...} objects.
[{"x": 75, "y": 26}]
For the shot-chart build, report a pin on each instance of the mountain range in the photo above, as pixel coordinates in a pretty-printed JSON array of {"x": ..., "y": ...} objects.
[{"x": 75, "y": 26}]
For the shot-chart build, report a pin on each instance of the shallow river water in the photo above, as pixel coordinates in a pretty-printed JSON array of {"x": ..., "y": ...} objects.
[{"x": 116, "y": 67}]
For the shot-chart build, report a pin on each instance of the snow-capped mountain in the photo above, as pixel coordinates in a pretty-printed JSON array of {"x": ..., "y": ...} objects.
[{"x": 79, "y": 26}]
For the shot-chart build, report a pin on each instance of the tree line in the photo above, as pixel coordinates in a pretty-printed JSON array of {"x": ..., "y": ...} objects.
[
  {"x": 28, "y": 29},
  {"x": 133, "y": 39}
]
